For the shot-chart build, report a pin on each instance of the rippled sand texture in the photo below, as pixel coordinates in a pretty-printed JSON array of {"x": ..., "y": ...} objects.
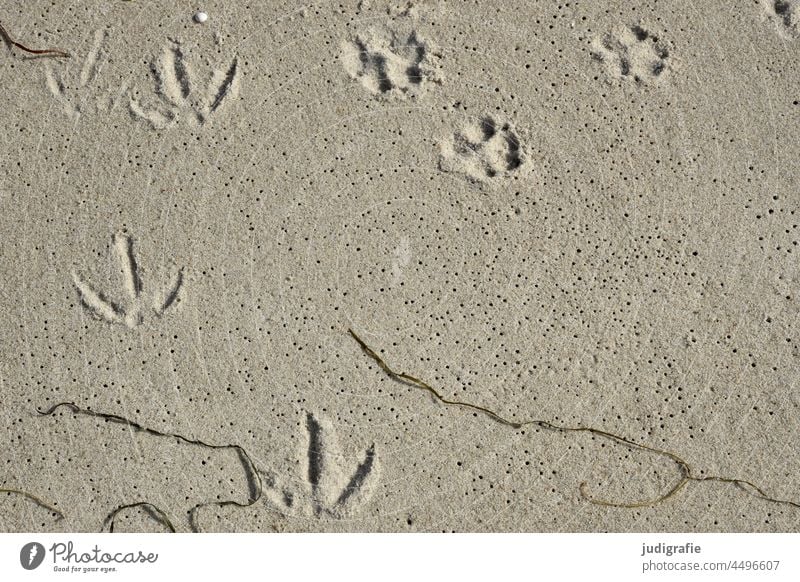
[{"x": 581, "y": 213}]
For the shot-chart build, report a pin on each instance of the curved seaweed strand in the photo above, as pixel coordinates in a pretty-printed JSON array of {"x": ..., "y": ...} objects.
[
  {"x": 253, "y": 477},
  {"x": 38, "y": 501},
  {"x": 685, "y": 468},
  {"x": 48, "y": 52},
  {"x": 153, "y": 510}
]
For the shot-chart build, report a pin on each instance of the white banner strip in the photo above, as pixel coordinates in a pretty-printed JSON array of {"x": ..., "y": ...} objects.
[{"x": 372, "y": 557}]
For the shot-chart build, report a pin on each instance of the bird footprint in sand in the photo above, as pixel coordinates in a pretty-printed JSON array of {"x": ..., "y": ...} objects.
[
  {"x": 179, "y": 92},
  {"x": 327, "y": 491},
  {"x": 131, "y": 314},
  {"x": 78, "y": 94}
]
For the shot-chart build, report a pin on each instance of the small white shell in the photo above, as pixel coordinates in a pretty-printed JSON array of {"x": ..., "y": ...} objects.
[{"x": 200, "y": 17}]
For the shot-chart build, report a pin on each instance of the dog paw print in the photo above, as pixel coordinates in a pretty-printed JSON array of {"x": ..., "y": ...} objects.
[
  {"x": 76, "y": 92},
  {"x": 632, "y": 52},
  {"x": 132, "y": 313},
  {"x": 484, "y": 151},
  {"x": 786, "y": 15},
  {"x": 389, "y": 64},
  {"x": 327, "y": 490},
  {"x": 180, "y": 94}
]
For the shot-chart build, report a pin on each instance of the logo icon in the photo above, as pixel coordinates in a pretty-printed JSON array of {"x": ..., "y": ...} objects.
[{"x": 31, "y": 555}]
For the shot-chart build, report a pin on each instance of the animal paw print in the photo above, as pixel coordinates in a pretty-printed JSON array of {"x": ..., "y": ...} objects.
[
  {"x": 131, "y": 314},
  {"x": 632, "y": 53},
  {"x": 328, "y": 492},
  {"x": 388, "y": 64},
  {"x": 178, "y": 93},
  {"x": 77, "y": 95},
  {"x": 786, "y": 14},
  {"x": 483, "y": 151}
]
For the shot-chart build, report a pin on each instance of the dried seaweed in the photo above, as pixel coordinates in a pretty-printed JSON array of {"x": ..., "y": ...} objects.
[
  {"x": 48, "y": 52},
  {"x": 685, "y": 469},
  {"x": 153, "y": 510},
  {"x": 36, "y": 500},
  {"x": 253, "y": 476}
]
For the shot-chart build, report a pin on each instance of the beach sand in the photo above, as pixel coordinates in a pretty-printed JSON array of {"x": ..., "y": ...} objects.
[{"x": 579, "y": 213}]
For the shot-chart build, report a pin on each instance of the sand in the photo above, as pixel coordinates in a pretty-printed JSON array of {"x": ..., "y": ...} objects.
[{"x": 581, "y": 213}]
